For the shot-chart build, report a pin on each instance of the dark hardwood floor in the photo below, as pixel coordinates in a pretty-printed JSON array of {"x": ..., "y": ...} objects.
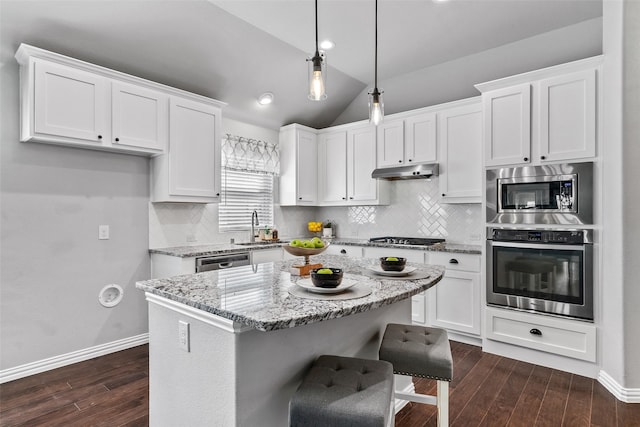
[{"x": 487, "y": 390}]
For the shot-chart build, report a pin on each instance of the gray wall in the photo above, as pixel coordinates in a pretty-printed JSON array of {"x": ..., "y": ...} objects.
[
  {"x": 454, "y": 80},
  {"x": 52, "y": 265},
  {"x": 631, "y": 196}
]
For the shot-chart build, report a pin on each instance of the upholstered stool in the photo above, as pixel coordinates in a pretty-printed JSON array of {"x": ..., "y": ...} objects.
[
  {"x": 420, "y": 352},
  {"x": 344, "y": 391}
]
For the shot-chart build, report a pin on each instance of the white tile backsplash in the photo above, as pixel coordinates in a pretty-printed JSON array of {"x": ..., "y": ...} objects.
[{"x": 414, "y": 211}]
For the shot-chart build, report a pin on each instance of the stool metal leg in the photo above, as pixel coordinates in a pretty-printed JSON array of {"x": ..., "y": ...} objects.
[{"x": 443, "y": 403}]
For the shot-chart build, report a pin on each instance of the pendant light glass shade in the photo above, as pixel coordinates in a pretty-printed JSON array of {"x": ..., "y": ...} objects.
[
  {"x": 317, "y": 76},
  {"x": 317, "y": 70},
  {"x": 376, "y": 106}
]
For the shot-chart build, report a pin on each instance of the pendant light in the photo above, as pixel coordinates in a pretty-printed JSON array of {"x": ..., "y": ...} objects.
[
  {"x": 376, "y": 106},
  {"x": 317, "y": 70}
]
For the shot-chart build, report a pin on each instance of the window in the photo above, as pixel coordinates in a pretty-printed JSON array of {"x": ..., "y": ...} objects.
[
  {"x": 242, "y": 193},
  {"x": 248, "y": 170}
]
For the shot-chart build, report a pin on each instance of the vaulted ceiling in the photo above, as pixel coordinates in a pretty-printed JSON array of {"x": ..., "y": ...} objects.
[{"x": 233, "y": 50}]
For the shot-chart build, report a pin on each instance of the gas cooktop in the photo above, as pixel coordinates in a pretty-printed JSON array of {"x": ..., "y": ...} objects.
[{"x": 418, "y": 241}]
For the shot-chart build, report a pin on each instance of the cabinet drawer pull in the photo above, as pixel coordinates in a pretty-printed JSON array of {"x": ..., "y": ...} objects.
[
  {"x": 535, "y": 331},
  {"x": 526, "y": 159},
  {"x": 399, "y": 161},
  {"x": 99, "y": 136},
  {"x": 453, "y": 261},
  {"x": 542, "y": 157},
  {"x": 343, "y": 251},
  {"x": 410, "y": 160},
  {"x": 117, "y": 139}
]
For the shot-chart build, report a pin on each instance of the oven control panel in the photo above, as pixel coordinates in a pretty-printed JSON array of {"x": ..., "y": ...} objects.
[{"x": 570, "y": 237}]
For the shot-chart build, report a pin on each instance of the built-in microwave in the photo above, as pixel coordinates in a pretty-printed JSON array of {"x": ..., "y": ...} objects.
[{"x": 546, "y": 194}]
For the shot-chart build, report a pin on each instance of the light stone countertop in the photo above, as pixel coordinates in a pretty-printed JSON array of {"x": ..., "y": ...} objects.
[
  {"x": 258, "y": 296},
  {"x": 216, "y": 249}
]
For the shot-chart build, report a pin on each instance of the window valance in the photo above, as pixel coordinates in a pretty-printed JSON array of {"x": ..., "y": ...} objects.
[{"x": 250, "y": 155}]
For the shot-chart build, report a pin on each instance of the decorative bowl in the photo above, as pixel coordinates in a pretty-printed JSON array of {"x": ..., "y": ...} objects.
[
  {"x": 326, "y": 280},
  {"x": 305, "y": 252},
  {"x": 392, "y": 263}
]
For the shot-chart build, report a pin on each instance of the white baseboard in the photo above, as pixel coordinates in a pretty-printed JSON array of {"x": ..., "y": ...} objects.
[
  {"x": 628, "y": 395},
  {"x": 39, "y": 366}
]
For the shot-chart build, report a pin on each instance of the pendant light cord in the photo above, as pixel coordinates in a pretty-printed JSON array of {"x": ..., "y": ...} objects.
[
  {"x": 376, "y": 53},
  {"x": 317, "y": 51}
]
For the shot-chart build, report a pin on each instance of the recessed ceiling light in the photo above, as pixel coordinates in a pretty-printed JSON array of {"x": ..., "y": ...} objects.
[
  {"x": 265, "y": 99},
  {"x": 327, "y": 45}
]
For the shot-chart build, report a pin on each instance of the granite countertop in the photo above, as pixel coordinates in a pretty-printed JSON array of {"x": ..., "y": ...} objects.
[
  {"x": 258, "y": 295},
  {"x": 215, "y": 249}
]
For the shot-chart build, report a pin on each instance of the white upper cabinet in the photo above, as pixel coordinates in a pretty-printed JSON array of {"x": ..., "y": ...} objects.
[
  {"x": 507, "y": 125},
  {"x": 139, "y": 117},
  {"x": 190, "y": 170},
  {"x": 332, "y": 167},
  {"x": 568, "y": 116},
  {"x": 407, "y": 141},
  {"x": 545, "y": 116},
  {"x": 298, "y": 166},
  {"x": 391, "y": 143},
  {"x": 67, "y": 103},
  {"x": 70, "y": 102},
  {"x": 346, "y": 159},
  {"x": 460, "y": 147}
]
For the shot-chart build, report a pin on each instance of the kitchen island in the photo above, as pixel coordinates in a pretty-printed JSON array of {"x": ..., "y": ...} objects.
[{"x": 229, "y": 347}]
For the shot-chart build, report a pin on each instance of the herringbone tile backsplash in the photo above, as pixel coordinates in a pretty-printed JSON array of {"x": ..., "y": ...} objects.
[{"x": 414, "y": 211}]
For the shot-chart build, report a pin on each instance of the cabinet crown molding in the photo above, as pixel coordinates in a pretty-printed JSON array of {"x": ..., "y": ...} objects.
[
  {"x": 530, "y": 76},
  {"x": 26, "y": 52}
]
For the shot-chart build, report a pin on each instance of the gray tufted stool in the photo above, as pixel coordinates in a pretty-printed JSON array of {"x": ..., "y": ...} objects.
[
  {"x": 420, "y": 352},
  {"x": 344, "y": 391}
]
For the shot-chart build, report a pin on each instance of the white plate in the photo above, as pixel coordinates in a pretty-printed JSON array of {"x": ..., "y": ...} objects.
[
  {"x": 343, "y": 286},
  {"x": 378, "y": 270}
]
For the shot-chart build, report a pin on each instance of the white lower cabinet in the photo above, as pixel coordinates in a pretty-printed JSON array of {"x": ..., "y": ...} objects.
[
  {"x": 267, "y": 255},
  {"x": 454, "y": 303},
  {"x": 563, "y": 337},
  {"x": 347, "y": 250}
]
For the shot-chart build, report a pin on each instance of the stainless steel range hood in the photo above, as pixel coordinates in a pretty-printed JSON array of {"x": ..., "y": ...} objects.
[{"x": 406, "y": 172}]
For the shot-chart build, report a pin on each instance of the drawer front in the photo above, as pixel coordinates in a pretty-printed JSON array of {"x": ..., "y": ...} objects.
[
  {"x": 353, "y": 251},
  {"x": 563, "y": 337},
  {"x": 455, "y": 261}
]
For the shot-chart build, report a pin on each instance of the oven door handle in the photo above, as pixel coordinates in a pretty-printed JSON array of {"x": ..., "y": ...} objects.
[{"x": 528, "y": 245}]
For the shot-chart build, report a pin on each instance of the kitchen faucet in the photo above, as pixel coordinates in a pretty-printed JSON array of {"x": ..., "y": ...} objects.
[{"x": 254, "y": 222}]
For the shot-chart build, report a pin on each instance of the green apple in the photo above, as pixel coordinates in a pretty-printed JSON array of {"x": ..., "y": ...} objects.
[
  {"x": 324, "y": 271},
  {"x": 296, "y": 243},
  {"x": 392, "y": 258},
  {"x": 316, "y": 240},
  {"x": 318, "y": 244},
  {"x": 308, "y": 244}
]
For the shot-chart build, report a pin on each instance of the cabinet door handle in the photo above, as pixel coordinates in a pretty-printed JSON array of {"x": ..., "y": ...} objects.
[
  {"x": 99, "y": 136},
  {"x": 410, "y": 160},
  {"x": 344, "y": 198},
  {"x": 217, "y": 194},
  {"x": 453, "y": 261},
  {"x": 117, "y": 139},
  {"x": 542, "y": 157},
  {"x": 399, "y": 161},
  {"x": 443, "y": 194},
  {"x": 299, "y": 198},
  {"x": 526, "y": 159},
  {"x": 350, "y": 198},
  {"x": 343, "y": 251},
  {"x": 535, "y": 331}
]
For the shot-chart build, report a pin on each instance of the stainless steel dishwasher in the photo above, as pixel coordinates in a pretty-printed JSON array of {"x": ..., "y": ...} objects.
[{"x": 222, "y": 261}]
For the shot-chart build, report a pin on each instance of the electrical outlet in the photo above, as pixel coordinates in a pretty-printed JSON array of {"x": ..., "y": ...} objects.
[
  {"x": 183, "y": 335},
  {"x": 103, "y": 232}
]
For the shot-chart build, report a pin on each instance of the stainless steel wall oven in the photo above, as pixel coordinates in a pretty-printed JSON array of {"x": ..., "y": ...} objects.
[
  {"x": 546, "y": 194},
  {"x": 548, "y": 271}
]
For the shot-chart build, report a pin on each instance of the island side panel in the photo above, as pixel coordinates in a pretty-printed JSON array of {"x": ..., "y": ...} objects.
[
  {"x": 271, "y": 365},
  {"x": 195, "y": 388}
]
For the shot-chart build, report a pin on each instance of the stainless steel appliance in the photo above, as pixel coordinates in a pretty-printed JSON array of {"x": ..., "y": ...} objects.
[
  {"x": 547, "y": 271},
  {"x": 222, "y": 261},
  {"x": 416, "y": 241},
  {"x": 547, "y": 194},
  {"x": 406, "y": 172}
]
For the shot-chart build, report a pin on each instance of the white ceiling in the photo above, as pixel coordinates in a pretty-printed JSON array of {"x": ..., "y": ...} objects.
[
  {"x": 412, "y": 34},
  {"x": 233, "y": 50}
]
